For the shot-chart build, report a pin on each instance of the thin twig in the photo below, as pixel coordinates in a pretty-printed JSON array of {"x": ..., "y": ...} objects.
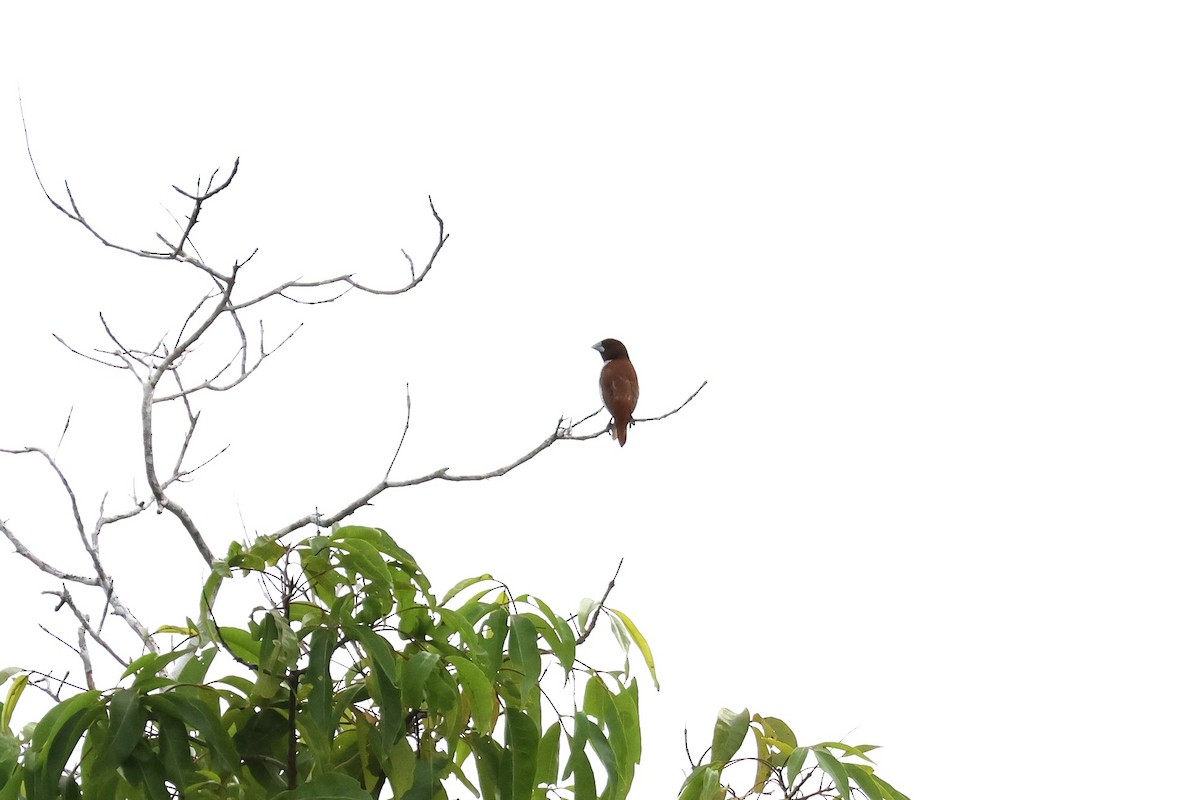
[
  {"x": 591, "y": 624},
  {"x": 63, "y": 435},
  {"x": 675, "y": 410},
  {"x": 60, "y": 340},
  {"x": 561, "y": 433},
  {"x": 404, "y": 435}
]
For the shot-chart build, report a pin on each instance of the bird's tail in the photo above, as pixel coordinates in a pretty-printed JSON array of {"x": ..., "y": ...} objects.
[{"x": 620, "y": 432}]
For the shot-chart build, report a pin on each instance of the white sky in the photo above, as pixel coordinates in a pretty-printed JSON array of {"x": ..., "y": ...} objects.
[{"x": 937, "y": 261}]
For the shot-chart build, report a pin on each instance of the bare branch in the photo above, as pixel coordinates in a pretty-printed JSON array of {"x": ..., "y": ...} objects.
[
  {"x": 561, "y": 433},
  {"x": 591, "y": 624},
  {"x": 675, "y": 410},
  {"x": 103, "y": 520},
  {"x": 102, "y": 580},
  {"x": 122, "y": 348},
  {"x": 404, "y": 435},
  {"x": 442, "y": 238},
  {"x": 199, "y": 201},
  {"x": 181, "y": 474},
  {"x": 348, "y": 278},
  {"x": 43, "y": 678},
  {"x": 63, "y": 435},
  {"x": 196, "y": 310},
  {"x": 85, "y": 625},
  {"x": 86, "y": 657},
  {"x": 246, "y": 371},
  {"x": 59, "y": 339},
  {"x": 43, "y": 566}
]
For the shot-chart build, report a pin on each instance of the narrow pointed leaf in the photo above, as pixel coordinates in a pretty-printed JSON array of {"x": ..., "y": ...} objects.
[
  {"x": 522, "y": 647},
  {"x": 834, "y": 769},
  {"x": 127, "y": 725},
  {"x": 728, "y": 734},
  {"x": 795, "y": 764},
  {"x": 548, "y": 750},
  {"x": 518, "y": 764},
  {"x": 865, "y": 781},
  {"x": 640, "y": 641}
]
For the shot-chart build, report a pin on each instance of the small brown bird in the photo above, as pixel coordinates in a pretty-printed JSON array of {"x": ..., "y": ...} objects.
[{"x": 618, "y": 386}]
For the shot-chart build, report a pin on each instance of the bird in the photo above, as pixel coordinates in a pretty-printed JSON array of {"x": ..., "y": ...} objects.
[{"x": 618, "y": 386}]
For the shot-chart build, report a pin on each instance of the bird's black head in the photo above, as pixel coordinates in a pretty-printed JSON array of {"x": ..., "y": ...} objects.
[{"x": 611, "y": 349}]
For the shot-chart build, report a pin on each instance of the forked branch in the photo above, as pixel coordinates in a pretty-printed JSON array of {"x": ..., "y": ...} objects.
[{"x": 563, "y": 431}]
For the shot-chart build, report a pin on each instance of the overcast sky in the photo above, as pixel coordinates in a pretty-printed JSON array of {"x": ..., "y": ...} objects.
[{"x": 937, "y": 261}]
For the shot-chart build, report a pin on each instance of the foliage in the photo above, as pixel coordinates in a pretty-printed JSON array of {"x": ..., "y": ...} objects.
[
  {"x": 360, "y": 679},
  {"x": 781, "y": 765},
  {"x": 360, "y": 682}
]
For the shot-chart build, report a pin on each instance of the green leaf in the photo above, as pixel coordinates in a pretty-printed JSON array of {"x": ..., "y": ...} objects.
[
  {"x": 640, "y": 641},
  {"x": 12, "y": 788},
  {"x": 426, "y": 783},
  {"x": 196, "y": 667},
  {"x": 202, "y": 718},
  {"x": 174, "y": 751},
  {"x": 401, "y": 767},
  {"x": 559, "y": 635},
  {"x": 478, "y": 689},
  {"x": 329, "y": 786},
  {"x": 452, "y": 623},
  {"x": 728, "y": 735},
  {"x": 262, "y": 741},
  {"x": 127, "y": 722},
  {"x": 10, "y": 702},
  {"x": 522, "y": 647},
  {"x": 592, "y": 691},
  {"x": 208, "y": 597},
  {"x": 518, "y": 763},
  {"x": 587, "y": 607},
  {"x": 548, "y": 749},
  {"x": 779, "y": 730},
  {"x": 492, "y": 642},
  {"x": 267, "y": 549},
  {"x": 277, "y": 653},
  {"x": 866, "y": 781},
  {"x": 834, "y": 769},
  {"x": 604, "y": 752},
  {"x": 318, "y": 706},
  {"x": 101, "y": 781},
  {"x": 889, "y": 789},
  {"x": 601, "y": 703},
  {"x": 153, "y": 777},
  {"x": 54, "y": 739},
  {"x": 383, "y": 684},
  {"x": 151, "y": 664},
  {"x": 379, "y": 651},
  {"x": 240, "y": 643},
  {"x": 626, "y": 701},
  {"x": 703, "y": 784},
  {"x": 763, "y": 771},
  {"x": 487, "y": 764},
  {"x": 463, "y": 584},
  {"x": 578, "y": 764},
  {"x": 849, "y": 749},
  {"x": 363, "y": 558},
  {"x": 415, "y": 675},
  {"x": 795, "y": 763}
]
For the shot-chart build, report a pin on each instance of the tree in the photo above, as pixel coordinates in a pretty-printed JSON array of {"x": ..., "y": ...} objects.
[{"x": 354, "y": 678}]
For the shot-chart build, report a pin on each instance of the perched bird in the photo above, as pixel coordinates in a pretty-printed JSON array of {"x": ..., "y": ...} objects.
[{"x": 618, "y": 386}]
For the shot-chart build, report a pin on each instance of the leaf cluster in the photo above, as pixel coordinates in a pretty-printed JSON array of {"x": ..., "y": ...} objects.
[
  {"x": 355, "y": 681},
  {"x": 781, "y": 766}
]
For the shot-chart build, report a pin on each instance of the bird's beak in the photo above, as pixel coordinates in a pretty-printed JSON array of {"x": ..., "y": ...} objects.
[{"x": 598, "y": 346}]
